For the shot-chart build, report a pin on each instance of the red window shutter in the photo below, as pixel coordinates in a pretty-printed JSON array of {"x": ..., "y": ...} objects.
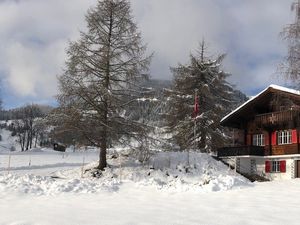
[
  {"x": 294, "y": 136},
  {"x": 249, "y": 139},
  {"x": 274, "y": 138},
  {"x": 268, "y": 166},
  {"x": 267, "y": 142},
  {"x": 283, "y": 166}
]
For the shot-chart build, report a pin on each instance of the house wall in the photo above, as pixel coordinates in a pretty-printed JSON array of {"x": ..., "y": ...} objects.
[
  {"x": 243, "y": 164},
  {"x": 280, "y": 175},
  {"x": 256, "y": 165},
  {"x": 285, "y": 149},
  {"x": 291, "y": 167},
  {"x": 239, "y": 137},
  {"x": 274, "y": 148},
  {"x": 229, "y": 160}
]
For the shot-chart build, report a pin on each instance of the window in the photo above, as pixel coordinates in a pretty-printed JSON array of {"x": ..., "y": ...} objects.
[
  {"x": 284, "y": 137},
  {"x": 275, "y": 167},
  {"x": 258, "y": 140}
]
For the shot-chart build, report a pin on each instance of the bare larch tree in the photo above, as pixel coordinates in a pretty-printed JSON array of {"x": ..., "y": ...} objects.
[{"x": 100, "y": 82}]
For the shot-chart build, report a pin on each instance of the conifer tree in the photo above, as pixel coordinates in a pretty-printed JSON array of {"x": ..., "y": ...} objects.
[
  {"x": 100, "y": 82},
  {"x": 203, "y": 81}
]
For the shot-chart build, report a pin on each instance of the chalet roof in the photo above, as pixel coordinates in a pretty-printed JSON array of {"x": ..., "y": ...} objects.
[{"x": 255, "y": 99}]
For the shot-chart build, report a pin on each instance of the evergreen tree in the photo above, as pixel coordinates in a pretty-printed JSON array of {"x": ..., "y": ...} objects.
[
  {"x": 200, "y": 82},
  {"x": 100, "y": 83}
]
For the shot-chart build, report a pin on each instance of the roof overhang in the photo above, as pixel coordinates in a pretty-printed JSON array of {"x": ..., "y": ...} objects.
[{"x": 246, "y": 110}]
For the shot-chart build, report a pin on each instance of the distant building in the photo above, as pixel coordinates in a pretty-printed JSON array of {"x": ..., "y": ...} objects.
[
  {"x": 59, "y": 147},
  {"x": 266, "y": 138}
]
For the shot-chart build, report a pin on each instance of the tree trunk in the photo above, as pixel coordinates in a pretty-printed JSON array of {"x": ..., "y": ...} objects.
[
  {"x": 30, "y": 135},
  {"x": 30, "y": 141},
  {"x": 202, "y": 142},
  {"x": 22, "y": 141},
  {"x": 36, "y": 139},
  {"x": 103, "y": 150},
  {"x": 27, "y": 142},
  {"x": 103, "y": 144}
]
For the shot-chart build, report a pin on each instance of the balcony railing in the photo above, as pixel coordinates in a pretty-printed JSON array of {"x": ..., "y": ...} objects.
[
  {"x": 276, "y": 118},
  {"x": 241, "y": 150}
]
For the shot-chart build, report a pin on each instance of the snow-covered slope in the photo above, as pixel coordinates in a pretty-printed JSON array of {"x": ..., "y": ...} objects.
[{"x": 8, "y": 142}]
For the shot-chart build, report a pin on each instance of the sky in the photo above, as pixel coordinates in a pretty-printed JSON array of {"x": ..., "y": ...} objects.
[{"x": 34, "y": 35}]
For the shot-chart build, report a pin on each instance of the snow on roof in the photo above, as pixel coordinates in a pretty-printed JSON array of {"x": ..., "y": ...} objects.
[
  {"x": 274, "y": 86},
  {"x": 280, "y": 88}
]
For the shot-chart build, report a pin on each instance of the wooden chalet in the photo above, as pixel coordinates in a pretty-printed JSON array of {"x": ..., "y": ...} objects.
[{"x": 266, "y": 134}]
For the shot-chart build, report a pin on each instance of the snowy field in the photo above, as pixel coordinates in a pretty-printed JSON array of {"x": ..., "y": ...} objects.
[
  {"x": 43, "y": 161},
  {"x": 267, "y": 203},
  {"x": 47, "y": 187}
]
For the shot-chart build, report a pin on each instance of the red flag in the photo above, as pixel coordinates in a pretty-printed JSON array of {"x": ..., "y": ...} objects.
[{"x": 196, "y": 106}]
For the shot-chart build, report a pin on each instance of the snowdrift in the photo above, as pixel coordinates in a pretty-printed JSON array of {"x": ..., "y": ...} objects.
[{"x": 172, "y": 172}]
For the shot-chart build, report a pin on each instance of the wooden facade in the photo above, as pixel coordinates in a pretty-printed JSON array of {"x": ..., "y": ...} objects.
[
  {"x": 266, "y": 135},
  {"x": 270, "y": 121}
]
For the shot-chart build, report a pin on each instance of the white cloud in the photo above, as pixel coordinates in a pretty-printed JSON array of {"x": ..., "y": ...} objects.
[
  {"x": 23, "y": 71},
  {"x": 248, "y": 31},
  {"x": 34, "y": 35}
]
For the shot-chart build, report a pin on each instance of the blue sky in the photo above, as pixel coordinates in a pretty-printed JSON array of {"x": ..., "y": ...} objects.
[{"x": 34, "y": 35}]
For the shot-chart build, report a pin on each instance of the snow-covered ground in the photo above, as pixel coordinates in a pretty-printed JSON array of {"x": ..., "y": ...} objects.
[
  {"x": 47, "y": 187},
  {"x": 43, "y": 161},
  {"x": 46, "y": 172},
  {"x": 266, "y": 203}
]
